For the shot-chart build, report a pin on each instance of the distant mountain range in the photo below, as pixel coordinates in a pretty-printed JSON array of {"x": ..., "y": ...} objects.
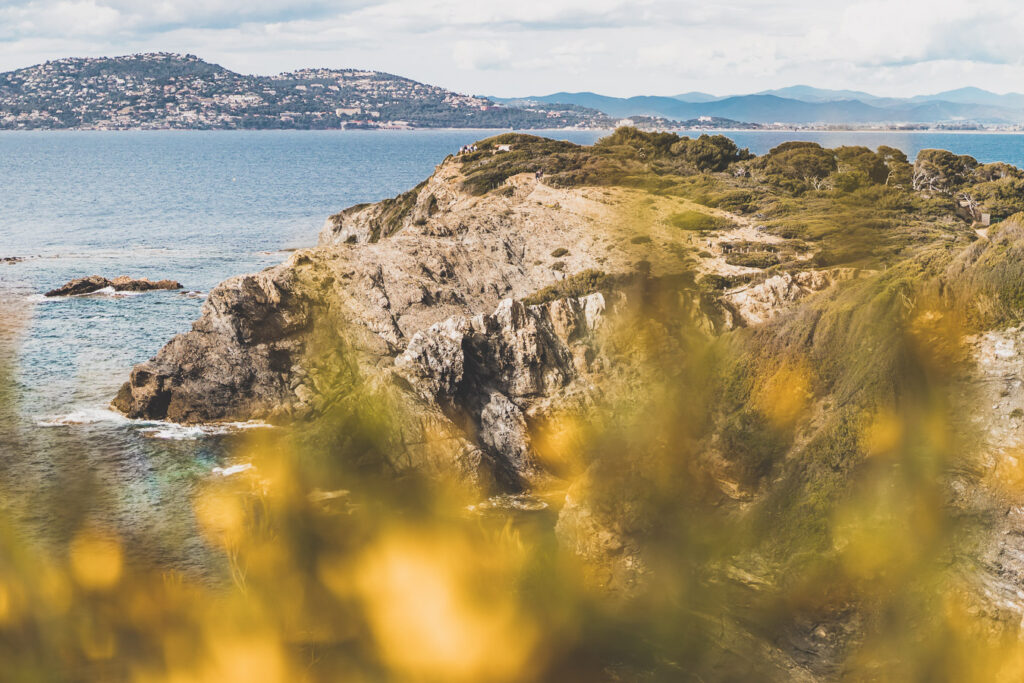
[
  {"x": 163, "y": 90},
  {"x": 802, "y": 104}
]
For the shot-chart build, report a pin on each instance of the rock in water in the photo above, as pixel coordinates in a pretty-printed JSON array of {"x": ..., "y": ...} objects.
[
  {"x": 123, "y": 283},
  {"x": 82, "y": 285}
]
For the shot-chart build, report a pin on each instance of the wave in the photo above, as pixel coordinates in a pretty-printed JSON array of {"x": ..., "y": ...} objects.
[
  {"x": 112, "y": 293},
  {"x": 84, "y": 416},
  {"x": 105, "y": 292},
  {"x": 233, "y": 469},
  {"x": 176, "y": 432},
  {"x": 152, "y": 429}
]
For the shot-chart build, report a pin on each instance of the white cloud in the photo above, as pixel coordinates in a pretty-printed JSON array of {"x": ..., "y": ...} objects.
[
  {"x": 481, "y": 54},
  {"x": 620, "y": 47}
]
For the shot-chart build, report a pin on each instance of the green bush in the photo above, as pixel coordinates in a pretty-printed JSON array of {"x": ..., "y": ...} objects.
[
  {"x": 561, "y": 251},
  {"x": 697, "y": 221}
]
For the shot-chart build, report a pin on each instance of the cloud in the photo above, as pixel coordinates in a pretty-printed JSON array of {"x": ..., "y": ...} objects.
[
  {"x": 480, "y": 54},
  {"x": 73, "y": 18},
  {"x": 618, "y": 47}
]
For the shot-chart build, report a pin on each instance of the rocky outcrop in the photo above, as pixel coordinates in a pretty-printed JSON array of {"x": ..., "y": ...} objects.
[
  {"x": 247, "y": 356},
  {"x": 123, "y": 283},
  {"x": 235, "y": 363},
  {"x": 757, "y": 304},
  {"x": 499, "y": 372},
  {"x": 420, "y": 296}
]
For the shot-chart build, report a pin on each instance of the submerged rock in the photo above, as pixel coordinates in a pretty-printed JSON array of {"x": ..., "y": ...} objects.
[{"x": 122, "y": 283}]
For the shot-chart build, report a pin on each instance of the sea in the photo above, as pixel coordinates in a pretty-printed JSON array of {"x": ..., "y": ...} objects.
[{"x": 197, "y": 207}]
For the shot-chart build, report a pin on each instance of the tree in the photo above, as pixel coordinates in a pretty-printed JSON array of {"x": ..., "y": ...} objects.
[
  {"x": 709, "y": 152},
  {"x": 863, "y": 161},
  {"x": 805, "y": 162},
  {"x": 899, "y": 172},
  {"x": 996, "y": 171},
  {"x": 942, "y": 172}
]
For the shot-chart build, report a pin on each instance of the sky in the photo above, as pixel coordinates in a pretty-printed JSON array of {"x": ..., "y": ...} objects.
[{"x": 532, "y": 47}]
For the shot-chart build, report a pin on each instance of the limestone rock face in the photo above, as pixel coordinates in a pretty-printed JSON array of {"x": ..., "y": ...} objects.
[
  {"x": 760, "y": 303},
  {"x": 496, "y": 371},
  {"x": 234, "y": 364},
  {"x": 245, "y": 357}
]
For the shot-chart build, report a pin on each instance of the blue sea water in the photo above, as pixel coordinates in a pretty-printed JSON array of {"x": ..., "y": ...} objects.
[{"x": 196, "y": 207}]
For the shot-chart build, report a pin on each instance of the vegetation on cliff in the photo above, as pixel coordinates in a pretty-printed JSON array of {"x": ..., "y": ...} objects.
[{"x": 699, "y": 494}]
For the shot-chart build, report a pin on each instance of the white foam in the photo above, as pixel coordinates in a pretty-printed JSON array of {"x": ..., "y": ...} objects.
[
  {"x": 233, "y": 469},
  {"x": 177, "y": 432},
  {"x": 112, "y": 293},
  {"x": 154, "y": 429},
  {"x": 83, "y": 416}
]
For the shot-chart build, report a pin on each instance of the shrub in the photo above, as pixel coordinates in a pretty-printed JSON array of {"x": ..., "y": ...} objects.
[
  {"x": 753, "y": 259},
  {"x": 640, "y": 239},
  {"x": 695, "y": 220},
  {"x": 713, "y": 282},
  {"x": 579, "y": 284},
  {"x": 561, "y": 251}
]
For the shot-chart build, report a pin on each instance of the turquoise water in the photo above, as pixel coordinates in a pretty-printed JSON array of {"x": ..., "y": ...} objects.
[{"x": 197, "y": 207}]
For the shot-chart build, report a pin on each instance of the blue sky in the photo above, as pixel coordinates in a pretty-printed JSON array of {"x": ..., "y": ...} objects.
[{"x": 521, "y": 47}]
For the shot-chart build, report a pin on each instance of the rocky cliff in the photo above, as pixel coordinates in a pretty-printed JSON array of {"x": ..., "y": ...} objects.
[{"x": 429, "y": 287}]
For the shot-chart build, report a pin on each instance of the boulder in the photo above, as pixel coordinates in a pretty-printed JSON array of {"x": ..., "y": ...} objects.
[
  {"x": 82, "y": 285},
  {"x": 122, "y": 283}
]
